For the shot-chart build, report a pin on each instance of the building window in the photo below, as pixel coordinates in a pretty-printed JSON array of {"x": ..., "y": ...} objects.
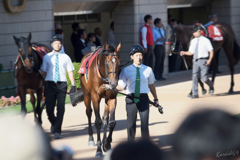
[{"x": 83, "y": 18}]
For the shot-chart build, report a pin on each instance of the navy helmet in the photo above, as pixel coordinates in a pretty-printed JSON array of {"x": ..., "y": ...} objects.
[
  {"x": 196, "y": 27},
  {"x": 57, "y": 37},
  {"x": 135, "y": 49}
]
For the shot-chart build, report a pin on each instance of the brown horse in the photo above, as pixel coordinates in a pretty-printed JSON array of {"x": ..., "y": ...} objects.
[
  {"x": 28, "y": 78},
  {"x": 183, "y": 34},
  {"x": 104, "y": 69}
]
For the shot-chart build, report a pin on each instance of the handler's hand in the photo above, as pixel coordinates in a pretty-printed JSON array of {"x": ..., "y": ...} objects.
[
  {"x": 208, "y": 63},
  {"x": 73, "y": 89},
  {"x": 156, "y": 103},
  {"x": 145, "y": 50},
  {"x": 106, "y": 86},
  {"x": 181, "y": 53}
]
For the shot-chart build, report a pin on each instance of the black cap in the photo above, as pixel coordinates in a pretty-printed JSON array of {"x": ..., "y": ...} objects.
[
  {"x": 57, "y": 37},
  {"x": 135, "y": 49},
  {"x": 196, "y": 27}
]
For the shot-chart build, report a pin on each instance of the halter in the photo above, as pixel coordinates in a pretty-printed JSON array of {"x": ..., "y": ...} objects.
[
  {"x": 106, "y": 68},
  {"x": 173, "y": 44},
  {"x": 25, "y": 57}
]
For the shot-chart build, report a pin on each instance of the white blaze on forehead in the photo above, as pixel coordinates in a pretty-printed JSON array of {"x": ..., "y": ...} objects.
[{"x": 113, "y": 59}]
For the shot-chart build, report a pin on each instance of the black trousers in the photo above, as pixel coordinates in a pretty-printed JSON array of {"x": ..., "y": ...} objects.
[
  {"x": 143, "y": 107},
  {"x": 159, "y": 61},
  {"x": 148, "y": 57},
  {"x": 56, "y": 92}
]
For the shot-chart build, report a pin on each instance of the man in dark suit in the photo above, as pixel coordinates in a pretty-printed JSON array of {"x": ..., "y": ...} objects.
[
  {"x": 74, "y": 36},
  {"x": 80, "y": 45},
  {"x": 98, "y": 33}
]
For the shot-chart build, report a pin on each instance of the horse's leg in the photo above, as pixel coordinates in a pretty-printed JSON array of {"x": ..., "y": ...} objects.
[
  {"x": 22, "y": 95},
  {"x": 112, "y": 123},
  {"x": 39, "y": 108},
  {"x": 229, "y": 52},
  {"x": 214, "y": 65},
  {"x": 33, "y": 99},
  {"x": 87, "y": 101},
  {"x": 98, "y": 122},
  {"x": 105, "y": 119}
]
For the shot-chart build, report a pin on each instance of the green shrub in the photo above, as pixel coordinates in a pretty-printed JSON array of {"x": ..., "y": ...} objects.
[{"x": 76, "y": 76}]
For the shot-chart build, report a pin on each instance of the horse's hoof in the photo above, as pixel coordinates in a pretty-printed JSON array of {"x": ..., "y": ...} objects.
[
  {"x": 230, "y": 91},
  {"x": 91, "y": 143},
  {"x": 189, "y": 95},
  {"x": 204, "y": 91},
  {"x": 106, "y": 147},
  {"x": 99, "y": 154}
]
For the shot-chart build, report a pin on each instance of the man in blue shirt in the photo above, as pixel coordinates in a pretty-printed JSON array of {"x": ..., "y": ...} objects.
[
  {"x": 131, "y": 78},
  {"x": 158, "y": 39},
  {"x": 213, "y": 18},
  {"x": 54, "y": 67}
]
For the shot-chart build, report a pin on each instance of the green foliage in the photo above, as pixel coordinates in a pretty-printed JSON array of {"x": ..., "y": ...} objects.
[{"x": 76, "y": 76}]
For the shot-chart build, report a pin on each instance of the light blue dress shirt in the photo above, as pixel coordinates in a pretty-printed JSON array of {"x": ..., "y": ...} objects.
[
  {"x": 157, "y": 35},
  {"x": 48, "y": 66},
  {"x": 128, "y": 75}
]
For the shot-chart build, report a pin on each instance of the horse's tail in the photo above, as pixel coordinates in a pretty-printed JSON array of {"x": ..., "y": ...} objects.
[{"x": 236, "y": 52}]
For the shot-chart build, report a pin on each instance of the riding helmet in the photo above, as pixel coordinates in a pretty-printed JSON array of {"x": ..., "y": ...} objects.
[
  {"x": 196, "y": 27},
  {"x": 135, "y": 49},
  {"x": 57, "y": 37}
]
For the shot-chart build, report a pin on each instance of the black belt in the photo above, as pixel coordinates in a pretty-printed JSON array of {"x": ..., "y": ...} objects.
[
  {"x": 202, "y": 58},
  {"x": 141, "y": 94}
]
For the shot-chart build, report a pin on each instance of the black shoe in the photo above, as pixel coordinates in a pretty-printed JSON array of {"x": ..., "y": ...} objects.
[
  {"x": 57, "y": 135},
  {"x": 161, "y": 79},
  {"x": 189, "y": 95},
  {"x": 52, "y": 129},
  {"x": 211, "y": 90},
  {"x": 204, "y": 91},
  {"x": 194, "y": 96}
]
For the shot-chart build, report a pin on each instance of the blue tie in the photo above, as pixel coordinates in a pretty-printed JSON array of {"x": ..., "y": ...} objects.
[{"x": 56, "y": 75}]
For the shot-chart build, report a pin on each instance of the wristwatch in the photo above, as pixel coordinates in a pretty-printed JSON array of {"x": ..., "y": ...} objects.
[{"x": 74, "y": 85}]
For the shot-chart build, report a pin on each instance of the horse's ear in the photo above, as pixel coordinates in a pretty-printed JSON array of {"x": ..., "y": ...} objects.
[
  {"x": 29, "y": 37},
  {"x": 16, "y": 40},
  {"x": 106, "y": 46},
  {"x": 118, "y": 48}
]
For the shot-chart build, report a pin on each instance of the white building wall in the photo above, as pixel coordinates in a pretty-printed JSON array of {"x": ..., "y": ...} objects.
[
  {"x": 128, "y": 18},
  {"x": 36, "y": 18},
  {"x": 234, "y": 18}
]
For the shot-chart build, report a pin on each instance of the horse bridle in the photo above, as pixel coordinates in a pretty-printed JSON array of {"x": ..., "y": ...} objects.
[
  {"x": 26, "y": 57},
  {"x": 173, "y": 44},
  {"x": 106, "y": 67}
]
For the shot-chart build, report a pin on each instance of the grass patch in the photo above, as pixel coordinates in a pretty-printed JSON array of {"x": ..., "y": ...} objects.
[{"x": 29, "y": 107}]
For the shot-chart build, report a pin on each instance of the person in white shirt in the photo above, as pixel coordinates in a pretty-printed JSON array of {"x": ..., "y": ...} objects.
[
  {"x": 110, "y": 39},
  {"x": 159, "y": 50},
  {"x": 131, "y": 78},
  {"x": 54, "y": 67},
  {"x": 202, "y": 51}
]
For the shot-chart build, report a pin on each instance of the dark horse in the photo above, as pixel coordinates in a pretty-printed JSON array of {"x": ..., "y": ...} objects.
[
  {"x": 28, "y": 78},
  {"x": 183, "y": 34},
  {"x": 104, "y": 69}
]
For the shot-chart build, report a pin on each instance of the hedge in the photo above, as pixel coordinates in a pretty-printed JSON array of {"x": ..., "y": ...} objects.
[{"x": 76, "y": 76}]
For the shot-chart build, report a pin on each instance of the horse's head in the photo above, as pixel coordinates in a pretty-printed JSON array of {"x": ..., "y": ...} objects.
[
  {"x": 170, "y": 40},
  {"x": 25, "y": 52},
  {"x": 112, "y": 64}
]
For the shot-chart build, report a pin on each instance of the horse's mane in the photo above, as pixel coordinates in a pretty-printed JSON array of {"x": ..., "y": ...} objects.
[{"x": 111, "y": 49}]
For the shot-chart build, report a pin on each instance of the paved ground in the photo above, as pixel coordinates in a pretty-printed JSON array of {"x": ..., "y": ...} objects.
[{"x": 172, "y": 96}]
